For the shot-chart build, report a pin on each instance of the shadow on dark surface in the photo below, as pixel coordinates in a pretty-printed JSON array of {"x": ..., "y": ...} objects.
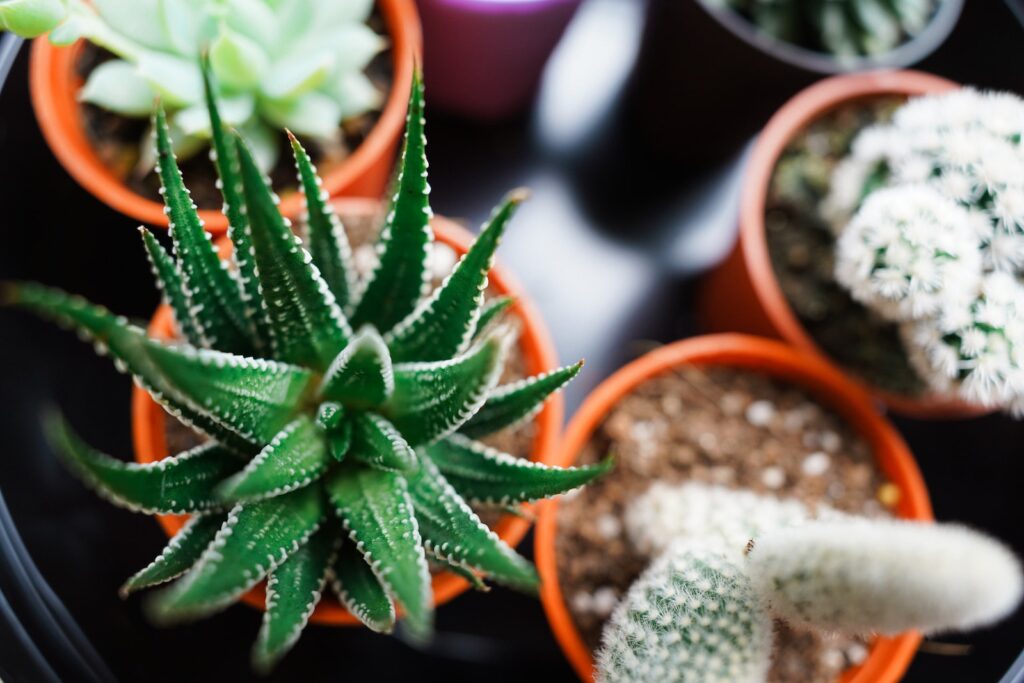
[{"x": 608, "y": 247}]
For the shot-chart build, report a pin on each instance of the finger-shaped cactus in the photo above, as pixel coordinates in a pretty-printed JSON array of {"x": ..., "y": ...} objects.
[
  {"x": 316, "y": 432},
  {"x": 694, "y": 617},
  {"x": 884, "y": 576}
]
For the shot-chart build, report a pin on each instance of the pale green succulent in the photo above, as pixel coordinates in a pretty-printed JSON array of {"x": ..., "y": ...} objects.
[{"x": 295, "y": 64}]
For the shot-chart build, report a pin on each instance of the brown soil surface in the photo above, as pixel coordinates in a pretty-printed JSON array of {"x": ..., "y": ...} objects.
[{"x": 720, "y": 426}]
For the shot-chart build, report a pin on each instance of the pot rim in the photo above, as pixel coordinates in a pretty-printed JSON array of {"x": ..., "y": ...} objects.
[
  {"x": 54, "y": 85},
  {"x": 910, "y": 52},
  {"x": 803, "y": 109},
  {"x": 889, "y": 657},
  {"x": 149, "y": 440}
]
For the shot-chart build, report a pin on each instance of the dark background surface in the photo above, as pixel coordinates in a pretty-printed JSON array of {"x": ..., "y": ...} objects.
[{"x": 611, "y": 248}]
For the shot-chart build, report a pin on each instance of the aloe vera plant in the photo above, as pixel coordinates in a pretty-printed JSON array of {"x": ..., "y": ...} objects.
[{"x": 342, "y": 415}]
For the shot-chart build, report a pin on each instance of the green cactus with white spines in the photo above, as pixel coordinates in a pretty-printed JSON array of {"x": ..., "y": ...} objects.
[
  {"x": 341, "y": 415},
  {"x": 838, "y": 573}
]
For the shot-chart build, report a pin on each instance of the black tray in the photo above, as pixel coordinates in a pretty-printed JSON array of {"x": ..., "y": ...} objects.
[{"x": 610, "y": 256}]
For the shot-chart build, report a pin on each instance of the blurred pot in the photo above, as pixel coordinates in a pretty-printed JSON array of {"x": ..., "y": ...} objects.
[{"x": 484, "y": 58}]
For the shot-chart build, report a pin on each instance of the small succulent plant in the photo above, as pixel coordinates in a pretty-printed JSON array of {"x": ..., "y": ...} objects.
[
  {"x": 702, "y": 612},
  {"x": 342, "y": 415},
  {"x": 297, "y": 64},
  {"x": 929, "y": 210},
  {"x": 845, "y": 28}
]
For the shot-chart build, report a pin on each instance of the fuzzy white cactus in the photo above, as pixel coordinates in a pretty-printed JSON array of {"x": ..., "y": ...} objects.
[
  {"x": 692, "y": 617},
  {"x": 929, "y": 210},
  {"x": 702, "y": 612},
  {"x": 885, "y": 576},
  {"x": 714, "y": 515}
]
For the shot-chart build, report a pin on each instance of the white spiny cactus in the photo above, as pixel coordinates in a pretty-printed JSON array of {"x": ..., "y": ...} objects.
[
  {"x": 929, "y": 210},
  {"x": 885, "y": 576},
  {"x": 692, "y": 617},
  {"x": 714, "y": 515}
]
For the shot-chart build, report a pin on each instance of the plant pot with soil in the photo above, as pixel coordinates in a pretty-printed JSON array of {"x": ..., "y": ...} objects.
[
  {"x": 344, "y": 395},
  {"x": 813, "y": 249},
  {"x": 741, "y": 66},
  {"x": 337, "y": 77}
]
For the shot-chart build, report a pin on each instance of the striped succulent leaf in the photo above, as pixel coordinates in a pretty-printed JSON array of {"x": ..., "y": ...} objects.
[{"x": 317, "y": 435}]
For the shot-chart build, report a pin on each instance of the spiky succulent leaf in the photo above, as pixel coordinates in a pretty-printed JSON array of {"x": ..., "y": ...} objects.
[
  {"x": 432, "y": 400},
  {"x": 254, "y": 540},
  {"x": 306, "y": 325},
  {"x": 513, "y": 403},
  {"x": 293, "y": 591},
  {"x": 332, "y": 418},
  {"x": 468, "y": 575},
  {"x": 294, "y": 458},
  {"x": 375, "y": 508},
  {"x": 328, "y": 242},
  {"x": 377, "y": 443},
  {"x": 360, "y": 591},
  {"x": 225, "y": 158},
  {"x": 168, "y": 279},
  {"x": 443, "y": 324},
  {"x": 180, "y": 553},
  {"x": 396, "y": 284},
  {"x": 174, "y": 485},
  {"x": 487, "y": 476},
  {"x": 362, "y": 373},
  {"x": 453, "y": 532},
  {"x": 492, "y": 312},
  {"x": 215, "y": 299}
]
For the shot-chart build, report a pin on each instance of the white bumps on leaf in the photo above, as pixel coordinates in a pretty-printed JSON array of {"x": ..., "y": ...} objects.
[
  {"x": 885, "y": 576},
  {"x": 661, "y": 630}
]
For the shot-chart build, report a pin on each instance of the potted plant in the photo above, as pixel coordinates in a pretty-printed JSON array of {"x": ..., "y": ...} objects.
[
  {"x": 703, "y": 611},
  {"x": 809, "y": 265},
  {"x": 342, "y": 414},
  {"x": 733, "y": 411},
  {"x": 742, "y": 60},
  {"x": 327, "y": 74},
  {"x": 484, "y": 59}
]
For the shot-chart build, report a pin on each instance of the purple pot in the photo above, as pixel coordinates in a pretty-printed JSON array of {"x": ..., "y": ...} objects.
[{"x": 484, "y": 58}]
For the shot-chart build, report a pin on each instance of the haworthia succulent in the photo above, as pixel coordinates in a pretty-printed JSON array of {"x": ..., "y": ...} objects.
[
  {"x": 252, "y": 542},
  {"x": 375, "y": 508},
  {"x": 377, "y": 443},
  {"x": 443, "y": 324},
  {"x": 492, "y": 312},
  {"x": 306, "y": 325},
  {"x": 168, "y": 278},
  {"x": 510, "y": 404},
  {"x": 174, "y": 485},
  {"x": 362, "y": 373},
  {"x": 180, "y": 553},
  {"x": 397, "y": 283},
  {"x": 484, "y": 475},
  {"x": 360, "y": 591},
  {"x": 293, "y": 591},
  {"x": 294, "y": 458},
  {"x": 453, "y": 532},
  {"x": 328, "y": 242},
  {"x": 213, "y": 294},
  {"x": 434, "y": 399}
]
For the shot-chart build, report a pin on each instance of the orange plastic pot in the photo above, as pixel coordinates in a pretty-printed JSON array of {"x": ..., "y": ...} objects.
[
  {"x": 150, "y": 441},
  {"x": 55, "y": 82},
  {"x": 889, "y": 657},
  {"x": 743, "y": 294}
]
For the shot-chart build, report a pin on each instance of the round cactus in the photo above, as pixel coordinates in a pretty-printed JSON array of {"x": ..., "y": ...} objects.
[
  {"x": 692, "y": 617},
  {"x": 884, "y": 576}
]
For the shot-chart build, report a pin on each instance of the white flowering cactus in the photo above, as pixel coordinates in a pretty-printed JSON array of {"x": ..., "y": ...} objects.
[
  {"x": 929, "y": 213},
  {"x": 298, "y": 64},
  {"x": 702, "y": 612}
]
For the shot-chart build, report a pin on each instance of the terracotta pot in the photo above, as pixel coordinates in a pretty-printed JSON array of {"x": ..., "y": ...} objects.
[
  {"x": 148, "y": 418},
  {"x": 54, "y": 84},
  {"x": 743, "y": 294},
  {"x": 484, "y": 59},
  {"x": 889, "y": 657}
]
